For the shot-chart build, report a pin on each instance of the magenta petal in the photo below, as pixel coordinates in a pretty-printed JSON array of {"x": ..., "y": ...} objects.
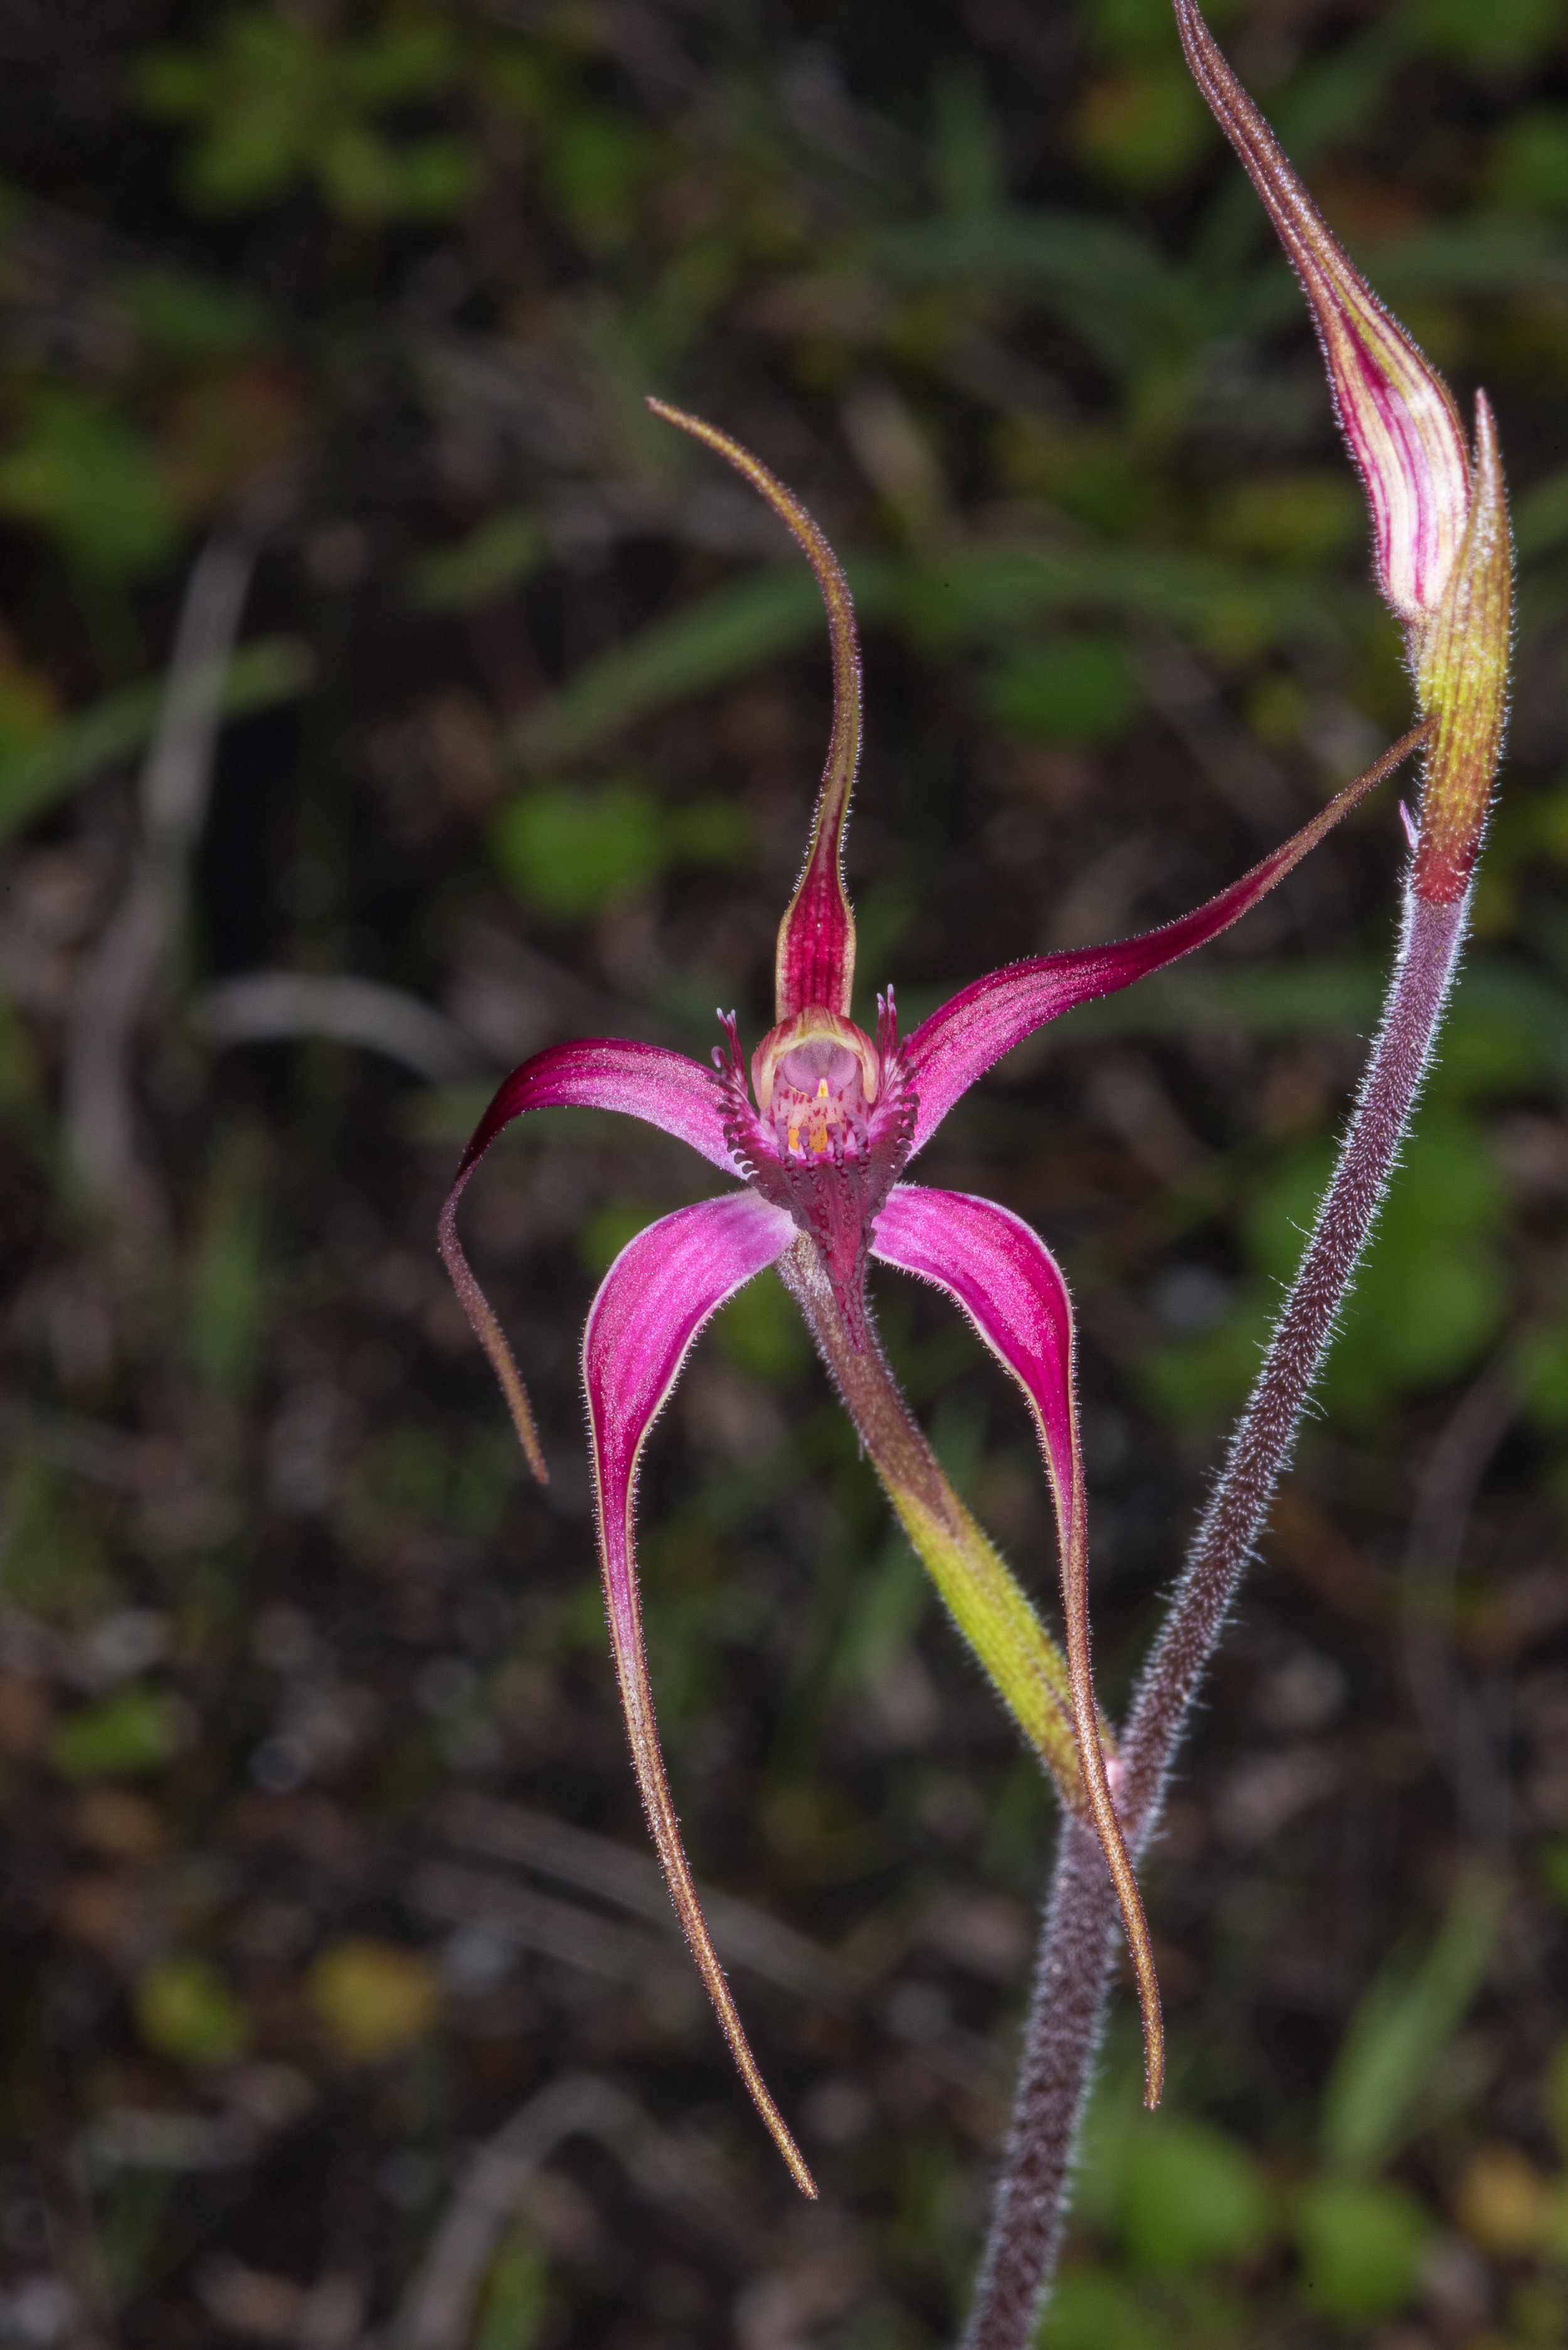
[
  {"x": 645, "y": 1081},
  {"x": 1008, "y": 1283},
  {"x": 959, "y": 1043},
  {"x": 1005, "y": 1279},
  {"x": 595, "y": 1073},
  {"x": 655, "y": 1298}
]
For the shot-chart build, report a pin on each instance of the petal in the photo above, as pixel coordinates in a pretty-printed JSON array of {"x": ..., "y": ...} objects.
[
  {"x": 655, "y": 1298},
  {"x": 816, "y": 962},
  {"x": 959, "y": 1043},
  {"x": 1397, "y": 412},
  {"x": 646, "y": 1081},
  {"x": 1007, "y": 1282}
]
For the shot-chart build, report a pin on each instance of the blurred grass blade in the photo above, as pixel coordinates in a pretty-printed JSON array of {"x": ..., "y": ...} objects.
[
  {"x": 972, "y": 592},
  {"x": 77, "y": 748},
  {"x": 1503, "y": 254},
  {"x": 502, "y": 555},
  {"x": 1332, "y": 100},
  {"x": 1098, "y": 278},
  {"x": 1326, "y": 104},
  {"x": 976, "y": 590},
  {"x": 1401, "y": 2027},
  {"x": 705, "y": 644}
]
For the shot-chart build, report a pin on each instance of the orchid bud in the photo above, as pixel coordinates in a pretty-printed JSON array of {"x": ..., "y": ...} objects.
[{"x": 1441, "y": 545}]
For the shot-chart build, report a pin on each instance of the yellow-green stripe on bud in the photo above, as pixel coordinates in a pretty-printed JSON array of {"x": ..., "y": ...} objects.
[{"x": 1461, "y": 681}]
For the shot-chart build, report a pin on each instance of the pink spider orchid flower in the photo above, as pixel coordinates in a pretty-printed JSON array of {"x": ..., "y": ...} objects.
[{"x": 820, "y": 1141}]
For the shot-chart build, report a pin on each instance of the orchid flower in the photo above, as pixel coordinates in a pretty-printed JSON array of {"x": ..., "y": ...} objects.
[{"x": 819, "y": 1141}]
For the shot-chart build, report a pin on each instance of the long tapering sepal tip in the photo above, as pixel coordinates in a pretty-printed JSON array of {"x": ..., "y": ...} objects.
[
  {"x": 814, "y": 965},
  {"x": 488, "y": 1331}
]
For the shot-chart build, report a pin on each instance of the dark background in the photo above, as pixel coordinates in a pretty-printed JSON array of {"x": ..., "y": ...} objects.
[{"x": 301, "y": 1680}]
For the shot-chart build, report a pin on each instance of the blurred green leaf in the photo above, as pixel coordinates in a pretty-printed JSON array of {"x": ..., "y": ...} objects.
[
  {"x": 82, "y": 472},
  {"x": 1433, "y": 1286},
  {"x": 1429, "y": 1296},
  {"x": 1332, "y": 97},
  {"x": 976, "y": 592},
  {"x": 594, "y": 163},
  {"x": 1503, "y": 33},
  {"x": 609, "y": 1228},
  {"x": 1077, "y": 688},
  {"x": 708, "y": 832},
  {"x": 1102, "y": 281},
  {"x": 1142, "y": 127},
  {"x": 1203, "y": 1378},
  {"x": 127, "y": 1736},
  {"x": 1289, "y": 1000},
  {"x": 56, "y": 1563},
  {"x": 1542, "y": 1372},
  {"x": 1091, "y": 2311},
  {"x": 21, "y": 1090},
  {"x": 416, "y": 1477},
  {"x": 1141, "y": 28},
  {"x": 185, "y": 2010},
  {"x": 80, "y": 746},
  {"x": 504, "y": 552},
  {"x": 515, "y": 2294},
  {"x": 1361, "y": 2243},
  {"x": 968, "y": 159},
  {"x": 1294, "y": 517},
  {"x": 1190, "y": 2195},
  {"x": 1400, "y": 2029},
  {"x": 705, "y": 644},
  {"x": 228, "y": 1292},
  {"x": 760, "y": 1330},
  {"x": 28, "y": 704},
  {"x": 375, "y": 1999},
  {"x": 984, "y": 591},
  {"x": 1491, "y": 256},
  {"x": 1541, "y": 516},
  {"x": 271, "y": 100},
  {"x": 1530, "y": 161},
  {"x": 1507, "y": 1030},
  {"x": 883, "y": 1617},
  {"x": 1551, "y": 1867},
  {"x": 569, "y": 849},
  {"x": 183, "y": 315},
  {"x": 1557, "y": 2091}
]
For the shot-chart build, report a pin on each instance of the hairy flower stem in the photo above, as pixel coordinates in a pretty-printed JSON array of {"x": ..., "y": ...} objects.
[
  {"x": 1072, "y": 1969},
  {"x": 980, "y": 1593}
]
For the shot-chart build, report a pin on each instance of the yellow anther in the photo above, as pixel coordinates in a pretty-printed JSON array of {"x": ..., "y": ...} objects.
[
  {"x": 819, "y": 1141},
  {"x": 794, "y": 1138},
  {"x": 822, "y": 1089}
]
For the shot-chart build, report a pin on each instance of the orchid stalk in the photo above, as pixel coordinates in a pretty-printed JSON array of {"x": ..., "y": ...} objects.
[
  {"x": 819, "y": 1130},
  {"x": 1442, "y": 559}
]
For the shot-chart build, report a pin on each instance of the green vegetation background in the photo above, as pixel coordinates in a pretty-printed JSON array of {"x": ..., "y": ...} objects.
[{"x": 322, "y": 1857}]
